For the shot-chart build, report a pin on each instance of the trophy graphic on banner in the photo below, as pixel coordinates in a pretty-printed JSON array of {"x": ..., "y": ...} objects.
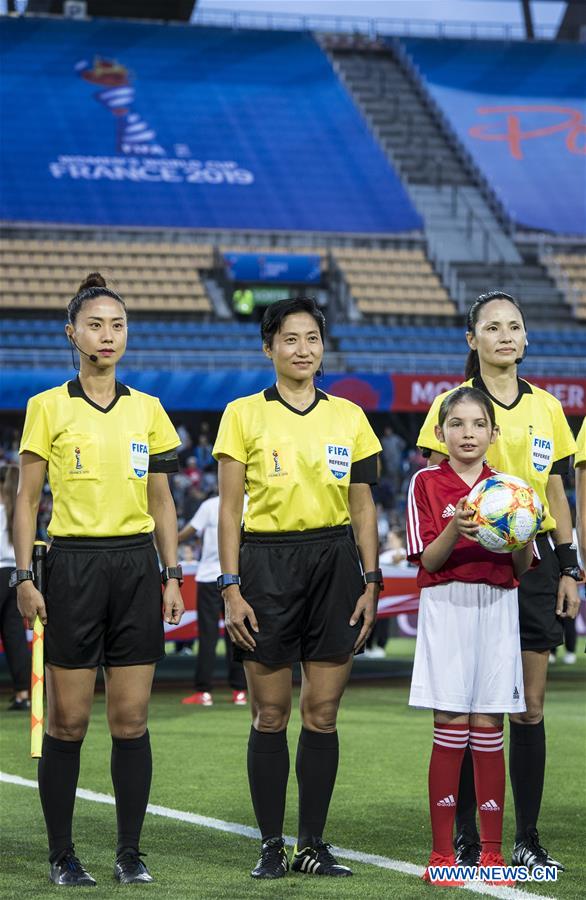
[{"x": 134, "y": 135}]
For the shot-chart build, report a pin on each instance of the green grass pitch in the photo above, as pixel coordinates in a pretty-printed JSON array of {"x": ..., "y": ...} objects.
[{"x": 379, "y": 806}]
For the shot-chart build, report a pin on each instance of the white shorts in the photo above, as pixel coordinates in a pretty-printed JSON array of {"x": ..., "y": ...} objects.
[{"x": 468, "y": 652}]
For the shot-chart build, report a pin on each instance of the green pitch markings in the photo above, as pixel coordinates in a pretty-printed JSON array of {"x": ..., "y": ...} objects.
[{"x": 369, "y": 859}]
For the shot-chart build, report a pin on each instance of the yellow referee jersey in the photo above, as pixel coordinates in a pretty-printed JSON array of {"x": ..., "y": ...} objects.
[
  {"x": 299, "y": 465},
  {"x": 534, "y": 436},
  {"x": 580, "y": 457},
  {"x": 98, "y": 459},
  {"x": 581, "y": 445}
]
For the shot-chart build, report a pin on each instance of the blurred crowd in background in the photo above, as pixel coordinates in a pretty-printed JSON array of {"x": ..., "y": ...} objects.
[{"x": 198, "y": 479}]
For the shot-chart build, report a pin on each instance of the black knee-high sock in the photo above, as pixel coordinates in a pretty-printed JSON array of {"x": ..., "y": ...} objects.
[
  {"x": 268, "y": 773},
  {"x": 316, "y": 768},
  {"x": 132, "y": 769},
  {"x": 527, "y": 771},
  {"x": 466, "y": 806},
  {"x": 58, "y": 774}
]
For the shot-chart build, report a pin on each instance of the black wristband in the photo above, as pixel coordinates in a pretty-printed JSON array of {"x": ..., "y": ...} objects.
[
  {"x": 172, "y": 572},
  {"x": 567, "y": 555},
  {"x": 375, "y": 577},
  {"x": 17, "y": 576}
]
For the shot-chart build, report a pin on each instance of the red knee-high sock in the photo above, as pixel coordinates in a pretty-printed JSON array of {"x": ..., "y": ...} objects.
[
  {"x": 449, "y": 744},
  {"x": 489, "y": 779}
]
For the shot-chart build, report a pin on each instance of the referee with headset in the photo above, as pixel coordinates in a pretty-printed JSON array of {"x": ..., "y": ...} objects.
[
  {"x": 107, "y": 450},
  {"x": 292, "y": 582},
  {"x": 580, "y": 465},
  {"x": 535, "y": 444}
]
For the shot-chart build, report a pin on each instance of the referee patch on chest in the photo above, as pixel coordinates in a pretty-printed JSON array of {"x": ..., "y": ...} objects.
[
  {"x": 338, "y": 460},
  {"x": 139, "y": 457},
  {"x": 541, "y": 452}
]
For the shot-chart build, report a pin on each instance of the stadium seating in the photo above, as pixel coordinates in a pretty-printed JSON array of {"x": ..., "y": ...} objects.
[
  {"x": 569, "y": 272},
  {"x": 164, "y": 277},
  {"x": 393, "y": 282},
  {"x": 200, "y": 345},
  {"x": 442, "y": 350},
  {"x": 161, "y": 277},
  {"x": 234, "y": 130}
]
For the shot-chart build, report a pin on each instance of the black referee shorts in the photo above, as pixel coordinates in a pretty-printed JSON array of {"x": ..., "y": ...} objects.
[
  {"x": 104, "y": 603},
  {"x": 303, "y": 587},
  {"x": 540, "y": 628}
]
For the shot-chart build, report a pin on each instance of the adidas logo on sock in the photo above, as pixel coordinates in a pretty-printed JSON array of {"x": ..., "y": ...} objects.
[
  {"x": 515, "y": 693},
  {"x": 447, "y": 801},
  {"x": 448, "y": 511},
  {"x": 490, "y": 806}
]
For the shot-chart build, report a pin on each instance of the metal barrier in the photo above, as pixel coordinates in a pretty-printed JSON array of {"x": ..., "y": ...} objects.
[{"x": 372, "y": 27}]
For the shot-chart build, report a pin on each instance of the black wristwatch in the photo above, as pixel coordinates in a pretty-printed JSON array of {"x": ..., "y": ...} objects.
[
  {"x": 574, "y": 572},
  {"x": 17, "y": 576},
  {"x": 172, "y": 572},
  {"x": 224, "y": 581},
  {"x": 375, "y": 577}
]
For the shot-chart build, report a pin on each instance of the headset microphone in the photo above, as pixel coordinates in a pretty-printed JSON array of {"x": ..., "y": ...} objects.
[
  {"x": 520, "y": 359},
  {"x": 91, "y": 356}
]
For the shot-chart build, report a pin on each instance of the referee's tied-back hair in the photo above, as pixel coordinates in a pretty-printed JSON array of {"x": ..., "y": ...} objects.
[
  {"x": 276, "y": 313},
  {"x": 472, "y": 361},
  {"x": 94, "y": 285}
]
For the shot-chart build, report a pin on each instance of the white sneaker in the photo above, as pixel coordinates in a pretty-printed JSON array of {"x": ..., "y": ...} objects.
[
  {"x": 552, "y": 658},
  {"x": 377, "y": 653},
  {"x": 570, "y": 659}
]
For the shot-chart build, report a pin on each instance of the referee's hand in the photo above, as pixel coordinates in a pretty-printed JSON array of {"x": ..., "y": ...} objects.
[
  {"x": 30, "y": 603},
  {"x": 366, "y": 607},
  {"x": 568, "y": 601},
  {"x": 237, "y": 611},
  {"x": 173, "y": 607}
]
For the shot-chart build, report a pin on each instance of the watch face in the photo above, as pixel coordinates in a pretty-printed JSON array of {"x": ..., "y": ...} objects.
[{"x": 574, "y": 572}]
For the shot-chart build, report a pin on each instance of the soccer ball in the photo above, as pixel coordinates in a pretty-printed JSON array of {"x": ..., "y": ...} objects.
[{"x": 508, "y": 511}]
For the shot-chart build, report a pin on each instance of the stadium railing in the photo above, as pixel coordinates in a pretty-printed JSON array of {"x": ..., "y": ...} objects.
[{"x": 353, "y": 25}]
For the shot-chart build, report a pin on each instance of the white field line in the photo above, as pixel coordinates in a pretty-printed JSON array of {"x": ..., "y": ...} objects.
[{"x": 382, "y": 862}]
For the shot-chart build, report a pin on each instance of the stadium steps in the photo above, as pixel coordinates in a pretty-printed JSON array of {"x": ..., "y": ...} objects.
[
  {"x": 461, "y": 226},
  {"x": 420, "y": 141},
  {"x": 399, "y": 114},
  {"x": 462, "y": 215},
  {"x": 529, "y": 282},
  {"x": 568, "y": 271}
]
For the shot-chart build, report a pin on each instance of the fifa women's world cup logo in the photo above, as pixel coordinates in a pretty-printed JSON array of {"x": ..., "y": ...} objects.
[
  {"x": 78, "y": 464},
  {"x": 134, "y": 136},
  {"x": 276, "y": 461}
]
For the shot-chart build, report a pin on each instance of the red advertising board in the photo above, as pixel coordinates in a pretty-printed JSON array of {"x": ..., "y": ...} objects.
[{"x": 415, "y": 393}]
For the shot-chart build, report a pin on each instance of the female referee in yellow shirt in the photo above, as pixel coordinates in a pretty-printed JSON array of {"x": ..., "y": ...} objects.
[
  {"x": 535, "y": 444},
  {"x": 107, "y": 449},
  {"x": 293, "y": 588},
  {"x": 580, "y": 464}
]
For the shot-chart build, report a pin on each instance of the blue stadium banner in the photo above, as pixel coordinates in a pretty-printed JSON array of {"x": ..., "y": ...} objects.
[
  {"x": 273, "y": 267},
  {"x": 520, "y": 110},
  {"x": 181, "y": 390},
  {"x": 128, "y": 124}
]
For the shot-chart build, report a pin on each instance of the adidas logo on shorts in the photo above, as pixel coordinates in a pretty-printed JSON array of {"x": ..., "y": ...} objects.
[
  {"x": 448, "y": 511},
  {"x": 447, "y": 801},
  {"x": 515, "y": 693},
  {"x": 490, "y": 806}
]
